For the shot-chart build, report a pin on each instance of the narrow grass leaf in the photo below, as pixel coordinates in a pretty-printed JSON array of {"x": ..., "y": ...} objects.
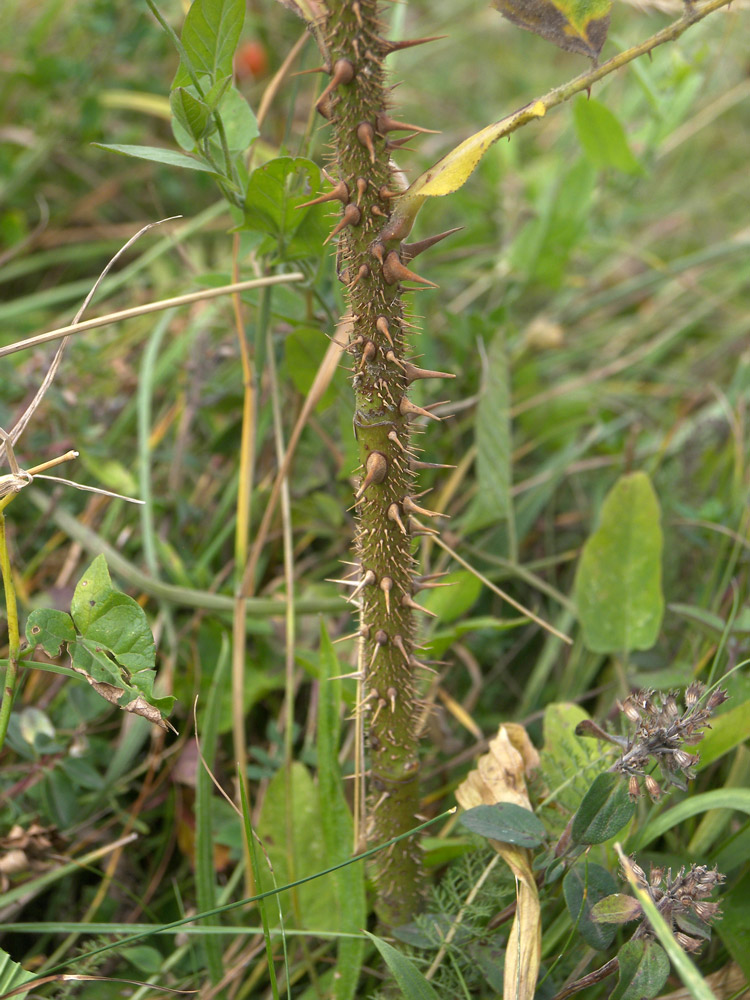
[
  {"x": 262, "y": 904},
  {"x": 205, "y": 880},
  {"x": 718, "y": 798},
  {"x": 336, "y": 820},
  {"x": 618, "y": 582},
  {"x": 410, "y": 980}
]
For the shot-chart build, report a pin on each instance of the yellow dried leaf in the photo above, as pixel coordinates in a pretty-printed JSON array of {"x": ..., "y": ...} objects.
[{"x": 500, "y": 776}]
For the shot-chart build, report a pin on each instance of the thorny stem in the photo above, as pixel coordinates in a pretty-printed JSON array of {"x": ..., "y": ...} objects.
[
  {"x": 14, "y": 638},
  {"x": 357, "y": 104}
]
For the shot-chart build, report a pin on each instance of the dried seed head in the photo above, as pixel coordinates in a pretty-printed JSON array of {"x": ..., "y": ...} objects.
[
  {"x": 633, "y": 788},
  {"x": 652, "y": 787}
]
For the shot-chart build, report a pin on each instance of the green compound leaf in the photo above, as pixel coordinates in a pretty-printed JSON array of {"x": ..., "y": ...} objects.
[
  {"x": 209, "y": 36},
  {"x": 644, "y": 968},
  {"x": 50, "y": 629},
  {"x": 583, "y": 887},
  {"x": 575, "y": 25},
  {"x": 603, "y": 137},
  {"x": 506, "y": 822},
  {"x": 606, "y": 809},
  {"x": 618, "y": 582}
]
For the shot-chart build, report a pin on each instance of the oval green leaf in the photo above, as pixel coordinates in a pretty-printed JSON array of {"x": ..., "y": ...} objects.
[
  {"x": 618, "y": 582},
  {"x": 606, "y": 808},
  {"x": 506, "y": 822}
]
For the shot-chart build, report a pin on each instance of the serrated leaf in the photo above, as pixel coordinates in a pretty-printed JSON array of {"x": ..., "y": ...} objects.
[
  {"x": 618, "y": 582},
  {"x": 583, "y": 887},
  {"x": 506, "y": 822},
  {"x": 493, "y": 436},
  {"x": 12, "y": 975},
  {"x": 602, "y": 137},
  {"x": 410, "y": 980},
  {"x": 49, "y": 629},
  {"x": 169, "y": 157},
  {"x": 644, "y": 968},
  {"x": 209, "y": 36},
  {"x": 616, "y": 909},
  {"x": 606, "y": 808},
  {"x": 575, "y": 25}
]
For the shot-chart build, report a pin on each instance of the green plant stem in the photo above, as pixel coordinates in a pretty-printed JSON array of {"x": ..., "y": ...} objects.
[
  {"x": 384, "y": 582},
  {"x": 14, "y": 638}
]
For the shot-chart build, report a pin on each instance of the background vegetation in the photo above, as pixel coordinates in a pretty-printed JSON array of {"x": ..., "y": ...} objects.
[{"x": 604, "y": 292}]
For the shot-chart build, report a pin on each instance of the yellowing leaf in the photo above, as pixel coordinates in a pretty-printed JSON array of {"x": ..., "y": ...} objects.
[
  {"x": 575, "y": 25},
  {"x": 453, "y": 170},
  {"x": 500, "y": 776}
]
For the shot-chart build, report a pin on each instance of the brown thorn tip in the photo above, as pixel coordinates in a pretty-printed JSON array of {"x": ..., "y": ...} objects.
[
  {"x": 382, "y": 327},
  {"x": 409, "y": 602},
  {"x": 390, "y": 356},
  {"x": 366, "y": 136},
  {"x": 411, "y": 250},
  {"x": 398, "y": 642},
  {"x": 413, "y": 373},
  {"x": 386, "y": 585},
  {"x": 351, "y": 217},
  {"x": 409, "y": 43},
  {"x": 376, "y": 469},
  {"x": 361, "y": 188},
  {"x": 393, "y": 436},
  {"x": 366, "y": 581},
  {"x": 408, "y": 504},
  {"x": 339, "y": 193},
  {"x": 363, "y": 272},
  {"x": 394, "y": 271},
  {"x": 386, "y": 124},
  {"x": 406, "y": 407},
  {"x": 394, "y": 514},
  {"x": 343, "y": 72},
  {"x": 417, "y": 464},
  {"x": 368, "y": 353}
]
